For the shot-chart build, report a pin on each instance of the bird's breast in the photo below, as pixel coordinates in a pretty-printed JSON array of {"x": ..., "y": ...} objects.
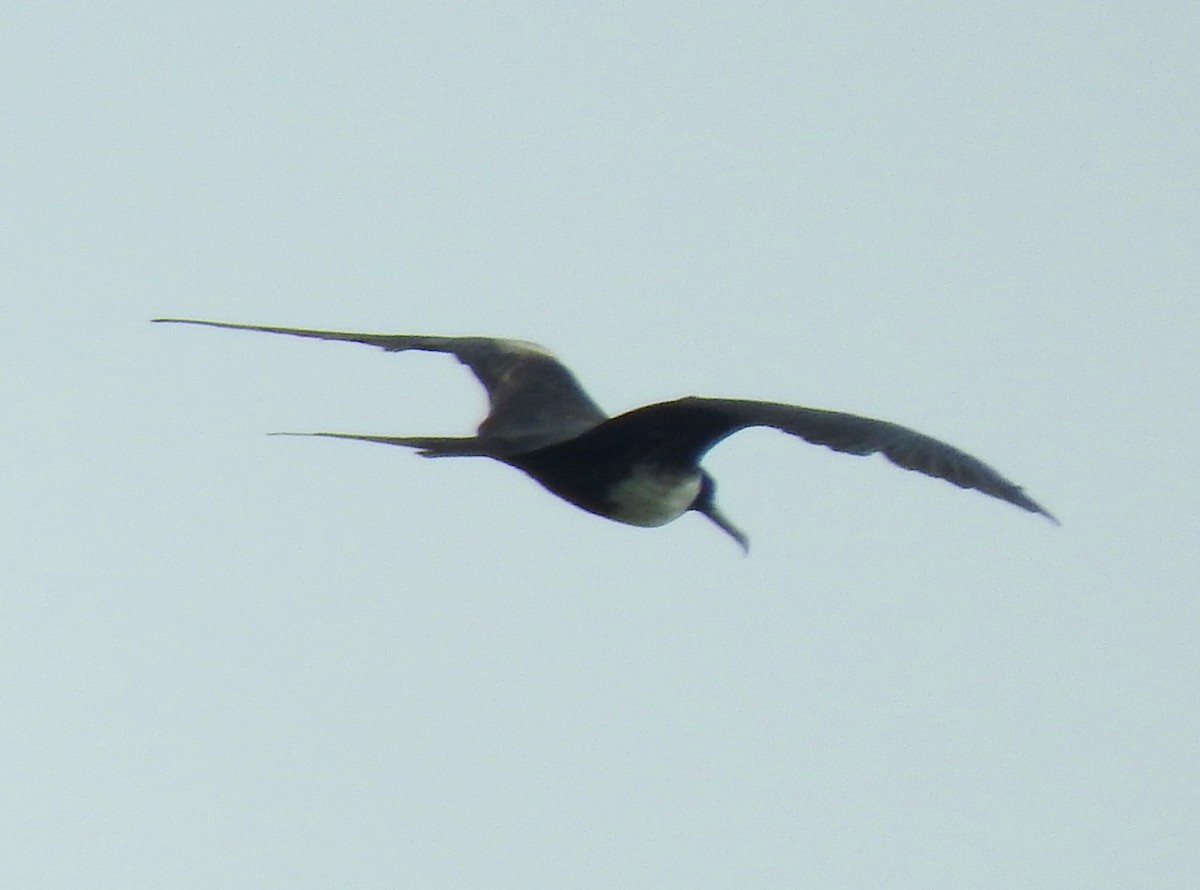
[{"x": 651, "y": 496}]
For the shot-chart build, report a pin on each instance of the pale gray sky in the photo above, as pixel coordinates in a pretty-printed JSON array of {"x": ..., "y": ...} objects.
[{"x": 237, "y": 661}]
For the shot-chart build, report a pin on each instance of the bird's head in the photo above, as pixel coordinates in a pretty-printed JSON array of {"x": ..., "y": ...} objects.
[{"x": 706, "y": 503}]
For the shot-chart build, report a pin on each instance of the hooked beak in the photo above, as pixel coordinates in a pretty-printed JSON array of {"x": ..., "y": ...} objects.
[{"x": 726, "y": 526}]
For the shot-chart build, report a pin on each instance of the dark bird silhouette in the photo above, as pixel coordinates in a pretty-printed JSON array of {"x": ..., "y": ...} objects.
[{"x": 641, "y": 467}]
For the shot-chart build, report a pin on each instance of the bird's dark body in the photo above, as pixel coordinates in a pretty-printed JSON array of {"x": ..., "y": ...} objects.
[
  {"x": 589, "y": 470},
  {"x": 578, "y": 470},
  {"x": 641, "y": 467}
]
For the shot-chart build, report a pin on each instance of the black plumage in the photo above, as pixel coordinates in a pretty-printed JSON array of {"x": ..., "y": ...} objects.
[{"x": 641, "y": 467}]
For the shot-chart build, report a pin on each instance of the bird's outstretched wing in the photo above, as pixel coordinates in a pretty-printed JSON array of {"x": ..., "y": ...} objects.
[
  {"x": 687, "y": 428},
  {"x": 534, "y": 399}
]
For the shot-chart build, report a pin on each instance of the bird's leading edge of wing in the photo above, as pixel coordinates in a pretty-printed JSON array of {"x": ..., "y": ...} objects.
[{"x": 709, "y": 420}]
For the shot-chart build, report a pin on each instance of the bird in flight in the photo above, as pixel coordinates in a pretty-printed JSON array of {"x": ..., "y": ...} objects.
[{"x": 641, "y": 467}]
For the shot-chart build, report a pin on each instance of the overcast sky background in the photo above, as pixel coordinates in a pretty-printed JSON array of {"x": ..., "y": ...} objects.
[{"x": 230, "y": 660}]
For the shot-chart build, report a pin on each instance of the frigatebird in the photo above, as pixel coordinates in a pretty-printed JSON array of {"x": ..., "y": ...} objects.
[{"x": 641, "y": 467}]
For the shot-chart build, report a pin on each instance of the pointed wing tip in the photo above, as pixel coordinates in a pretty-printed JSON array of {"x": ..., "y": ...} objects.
[
  {"x": 195, "y": 321},
  {"x": 1027, "y": 503},
  {"x": 327, "y": 435}
]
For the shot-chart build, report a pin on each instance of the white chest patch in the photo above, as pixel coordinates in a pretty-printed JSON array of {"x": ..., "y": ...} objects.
[{"x": 650, "y": 498}]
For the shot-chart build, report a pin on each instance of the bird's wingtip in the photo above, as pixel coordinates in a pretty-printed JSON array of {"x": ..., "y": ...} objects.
[{"x": 1033, "y": 506}]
